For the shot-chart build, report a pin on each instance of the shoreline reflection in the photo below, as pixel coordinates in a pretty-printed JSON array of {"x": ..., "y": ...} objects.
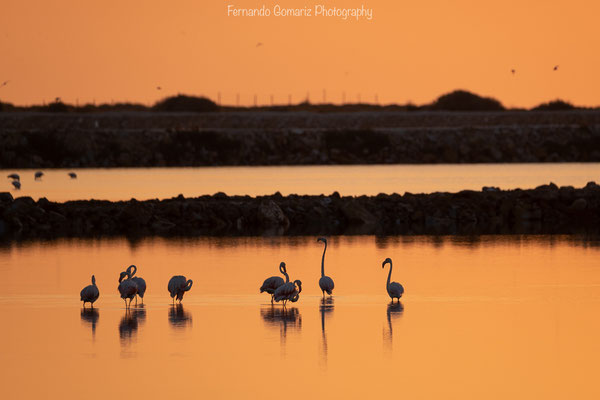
[{"x": 284, "y": 318}]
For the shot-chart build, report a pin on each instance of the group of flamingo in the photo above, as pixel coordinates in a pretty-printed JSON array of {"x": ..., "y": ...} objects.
[
  {"x": 281, "y": 290},
  {"x": 131, "y": 287},
  {"x": 16, "y": 178}
]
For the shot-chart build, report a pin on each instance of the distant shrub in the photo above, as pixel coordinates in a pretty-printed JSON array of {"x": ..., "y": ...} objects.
[
  {"x": 555, "y": 105},
  {"x": 56, "y": 107},
  {"x": 186, "y": 103},
  {"x": 461, "y": 100}
]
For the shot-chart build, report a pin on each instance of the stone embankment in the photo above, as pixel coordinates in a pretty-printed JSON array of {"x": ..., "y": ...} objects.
[
  {"x": 547, "y": 209},
  {"x": 29, "y": 140}
]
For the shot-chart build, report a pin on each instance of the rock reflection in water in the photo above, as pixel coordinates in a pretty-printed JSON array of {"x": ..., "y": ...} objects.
[
  {"x": 130, "y": 323},
  {"x": 284, "y": 318},
  {"x": 326, "y": 309},
  {"x": 394, "y": 311},
  {"x": 90, "y": 316},
  {"x": 178, "y": 317}
]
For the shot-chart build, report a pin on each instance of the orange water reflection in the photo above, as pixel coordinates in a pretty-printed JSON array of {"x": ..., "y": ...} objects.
[{"x": 482, "y": 317}]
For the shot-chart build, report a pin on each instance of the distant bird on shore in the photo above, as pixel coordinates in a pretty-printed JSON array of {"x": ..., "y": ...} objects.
[
  {"x": 90, "y": 293},
  {"x": 15, "y": 177},
  {"x": 555, "y": 68},
  {"x": 73, "y": 175},
  {"x": 325, "y": 283},
  {"x": 394, "y": 289},
  {"x": 177, "y": 287},
  {"x": 38, "y": 175},
  {"x": 16, "y": 184},
  {"x": 271, "y": 284}
]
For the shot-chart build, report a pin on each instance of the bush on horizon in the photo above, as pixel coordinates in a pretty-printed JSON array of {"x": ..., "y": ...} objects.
[
  {"x": 554, "y": 105},
  {"x": 183, "y": 103},
  {"x": 462, "y": 100}
]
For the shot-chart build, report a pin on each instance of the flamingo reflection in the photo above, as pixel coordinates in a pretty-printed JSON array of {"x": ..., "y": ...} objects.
[
  {"x": 130, "y": 322},
  {"x": 90, "y": 316},
  {"x": 178, "y": 317},
  {"x": 284, "y": 318},
  {"x": 325, "y": 308},
  {"x": 394, "y": 311}
]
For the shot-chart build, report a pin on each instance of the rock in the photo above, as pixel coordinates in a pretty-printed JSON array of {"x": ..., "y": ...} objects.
[
  {"x": 6, "y": 197},
  {"x": 578, "y": 205},
  {"x": 270, "y": 215},
  {"x": 357, "y": 214}
]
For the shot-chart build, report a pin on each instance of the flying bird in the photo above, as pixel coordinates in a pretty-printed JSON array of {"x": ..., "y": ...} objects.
[
  {"x": 73, "y": 175},
  {"x": 90, "y": 293},
  {"x": 15, "y": 177},
  {"x": 394, "y": 289},
  {"x": 325, "y": 283},
  {"x": 555, "y": 68},
  {"x": 16, "y": 184},
  {"x": 177, "y": 287},
  {"x": 127, "y": 287},
  {"x": 140, "y": 282},
  {"x": 271, "y": 284},
  {"x": 38, "y": 175}
]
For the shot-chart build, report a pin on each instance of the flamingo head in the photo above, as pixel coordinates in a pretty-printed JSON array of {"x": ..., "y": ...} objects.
[
  {"x": 93, "y": 279},
  {"x": 298, "y": 283},
  {"x": 122, "y": 276},
  {"x": 322, "y": 239},
  {"x": 387, "y": 260}
]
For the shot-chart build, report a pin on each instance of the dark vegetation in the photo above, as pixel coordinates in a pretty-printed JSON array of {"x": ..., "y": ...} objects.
[
  {"x": 458, "y": 100},
  {"x": 547, "y": 209}
]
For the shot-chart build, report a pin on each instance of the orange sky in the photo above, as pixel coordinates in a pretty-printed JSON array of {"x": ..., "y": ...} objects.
[{"x": 410, "y": 51}]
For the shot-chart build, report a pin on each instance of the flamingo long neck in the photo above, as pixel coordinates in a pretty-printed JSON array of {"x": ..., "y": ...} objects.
[
  {"x": 323, "y": 261},
  {"x": 389, "y": 276},
  {"x": 93, "y": 280},
  {"x": 134, "y": 269},
  {"x": 287, "y": 277}
]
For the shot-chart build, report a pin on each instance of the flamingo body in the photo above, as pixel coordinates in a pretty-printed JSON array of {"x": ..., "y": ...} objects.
[
  {"x": 271, "y": 284},
  {"x": 16, "y": 184},
  {"x": 177, "y": 287},
  {"x": 16, "y": 177},
  {"x": 90, "y": 293},
  {"x": 394, "y": 289},
  {"x": 127, "y": 287}
]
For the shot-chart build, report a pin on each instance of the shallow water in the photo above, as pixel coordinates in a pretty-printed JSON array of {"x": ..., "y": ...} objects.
[
  {"x": 491, "y": 317},
  {"x": 150, "y": 183}
]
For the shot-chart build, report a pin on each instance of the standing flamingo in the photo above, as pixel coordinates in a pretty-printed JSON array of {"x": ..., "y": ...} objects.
[
  {"x": 287, "y": 291},
  {"x": 177, "y": 287},
  {"x": 90, "y": 293},
  {"x": 140, "y": 282},
  {"x": 325, "y": 283},
  {"x": 271, "y": 284},
  {"x": 127, "y": 287},
  {"x": 394, "y": 289}
]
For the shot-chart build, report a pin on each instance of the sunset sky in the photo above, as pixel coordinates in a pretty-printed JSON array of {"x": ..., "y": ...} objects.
[{"x": 414, "y": 51}]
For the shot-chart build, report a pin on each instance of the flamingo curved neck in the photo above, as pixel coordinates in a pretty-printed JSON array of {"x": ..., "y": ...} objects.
[
  {"x": 134, "y": 269},
  {"x": 323, "y": 261},
  {"x": 93, "y": 280},
  {"x": 389, "y": 276},
  {"x": 188, "y": 285}
]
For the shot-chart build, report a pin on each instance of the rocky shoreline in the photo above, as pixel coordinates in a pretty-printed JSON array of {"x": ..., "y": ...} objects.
[
  {"x": 37, "y": 140},
  {"x": 547, "y": 209}
]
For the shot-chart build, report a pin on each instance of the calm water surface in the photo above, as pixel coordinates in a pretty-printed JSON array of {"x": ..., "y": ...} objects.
[
  {"x": 493, "y": 317},
  {"x": 150, "y": 183}
]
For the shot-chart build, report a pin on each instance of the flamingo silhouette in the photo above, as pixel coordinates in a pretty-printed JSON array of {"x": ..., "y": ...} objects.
[
  {"x": 90, "y": 293},
  {"x": 177, "y": 287},
  {"x": 325, "y": 283},
  {"x": 394, "y": 289},
  {"x": 271, "y": 284}
]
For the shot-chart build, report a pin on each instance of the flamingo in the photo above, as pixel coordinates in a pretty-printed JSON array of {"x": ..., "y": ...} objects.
[
  {"x": 14, "y": 177},
  {"x": 140, "y": 282},
  {"x": 325, "y": 283},
  {"x": 296, "y": 294},
  {"x": 177, "y": 287},
  {"x": 73, "y": 175},
  {"x": 287, "y": 291},
  {"x": 271, "y": 284},
  {"x": 16, "y": 184},
  {"x": 38, "y": 175},
  {"x": 127, "y": 287},
  {"x": 90, "y": 293},
  {"x": 394, "y": 289}
]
